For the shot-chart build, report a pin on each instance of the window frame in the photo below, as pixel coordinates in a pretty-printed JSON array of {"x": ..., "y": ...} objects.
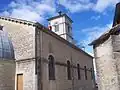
[
  {"x": 69, "y": 70},
  {"x": 85, "y": 69},
  {"x": 78, "y": 71},
  {"x": 56, "y": 27},
  {"x": 51, "y": 67}
]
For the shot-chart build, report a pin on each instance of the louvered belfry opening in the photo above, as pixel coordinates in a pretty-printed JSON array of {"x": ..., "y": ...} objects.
[{"x": 117, "y": 15}]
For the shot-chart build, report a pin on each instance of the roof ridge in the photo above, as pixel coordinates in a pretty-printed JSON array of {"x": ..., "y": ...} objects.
[
  {"x": 105, "y": 34},
  {"x": 21, "y": 21}
]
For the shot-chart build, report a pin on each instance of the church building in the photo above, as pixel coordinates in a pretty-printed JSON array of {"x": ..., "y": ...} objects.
[{"x": 35, "y": 57}]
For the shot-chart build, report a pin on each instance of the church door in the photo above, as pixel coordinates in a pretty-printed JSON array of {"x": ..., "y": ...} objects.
[{"x": 19, "y": 81}]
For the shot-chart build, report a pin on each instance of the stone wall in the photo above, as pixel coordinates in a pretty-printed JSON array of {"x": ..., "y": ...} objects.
[
  {"x": 27, "y": 68},
  {"x": 7, "y": 75},
  {"x": 107, "y": 75},
  {"x": 116, "y": 51},
  {"x": 22, "y": 37}
]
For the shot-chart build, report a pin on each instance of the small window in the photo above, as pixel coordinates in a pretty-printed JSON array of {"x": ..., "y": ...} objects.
[
  {"x": 92, "y": 75},
  {"x": 51, "y": 68},
  {"x": 56, "y": 28},
  {"x": 68, "y": 29},
  {"x": 85, "y": 72},
  {"x": 69, "y": 70},
  {"x": 50, "y": 47},
  {"x": 1, "y": 27},
  {"x": 78, "y": 71}
]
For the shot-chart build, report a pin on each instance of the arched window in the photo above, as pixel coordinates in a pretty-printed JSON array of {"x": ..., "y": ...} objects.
[
  {"x": 69, "y": 70},
  {"x": 85, "y": 72},
  {"x": 92, "y": 73},
  {"x": 78, "y": 70},
  {"x": 51, "y": 68}
]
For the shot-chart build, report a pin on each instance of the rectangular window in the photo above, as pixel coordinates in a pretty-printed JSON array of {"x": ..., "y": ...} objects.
[
  {"x": 56, "y": 28},
  {"x": 68, "y": 29},
  {"x": 1, "y": 27},
  {"x": 85, "y": 72}
]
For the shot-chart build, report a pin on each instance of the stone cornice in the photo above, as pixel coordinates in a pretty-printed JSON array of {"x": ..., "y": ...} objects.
[{"x": 25, "y": 22}]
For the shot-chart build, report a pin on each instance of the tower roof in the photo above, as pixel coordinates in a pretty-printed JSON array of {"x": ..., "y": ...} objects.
[{"x": 59, "y": 17}]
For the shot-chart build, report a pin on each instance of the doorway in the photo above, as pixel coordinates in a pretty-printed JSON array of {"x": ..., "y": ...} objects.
[{"x": 19, "y": 81}]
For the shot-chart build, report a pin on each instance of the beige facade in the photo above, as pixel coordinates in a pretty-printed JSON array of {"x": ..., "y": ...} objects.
[{"x": 33, "y": 43}]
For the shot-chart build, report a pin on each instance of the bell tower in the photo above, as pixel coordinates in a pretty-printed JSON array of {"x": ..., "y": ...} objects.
[{"x": 62, "y": 25}]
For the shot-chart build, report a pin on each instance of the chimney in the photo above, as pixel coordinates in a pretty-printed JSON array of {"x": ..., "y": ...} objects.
[{"x": 117, "y": 15}]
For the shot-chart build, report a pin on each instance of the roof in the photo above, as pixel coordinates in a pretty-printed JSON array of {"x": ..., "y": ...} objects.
[
  {"x": 43, "y": 28},
  {"x": 60, "y": 16},
  {"x": 106, "y": 35},
  {"x": 17, "y": 20}
]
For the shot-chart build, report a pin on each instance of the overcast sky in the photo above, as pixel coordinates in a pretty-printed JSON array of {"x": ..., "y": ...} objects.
[{"x": 90, "y": 18}]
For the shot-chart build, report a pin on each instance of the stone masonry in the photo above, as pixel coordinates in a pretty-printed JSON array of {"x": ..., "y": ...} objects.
[
  {"x": 7, "y": 74},
  {"x": 22, "y": 36},
  {"x": 107, "y": 58}
]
